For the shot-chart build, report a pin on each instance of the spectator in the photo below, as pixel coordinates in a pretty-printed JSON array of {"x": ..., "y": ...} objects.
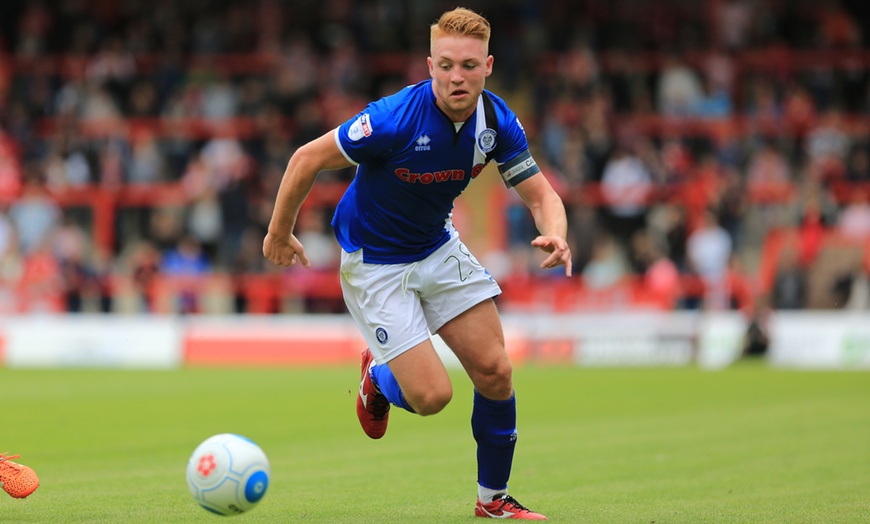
[
  {"x": 10, "y": 168},
  {"x": 837, "y": 28},
  {"x": 858, "y": 165},
  {"x": 659, "y": 275},
  {"x": 114, "y": 68},
  {"x": 851, "y": 286},
  {"x": 679, "y": 87},
  {"x": 220, "y": 99},
  {"x": 799, "y": 115},
  {"x": 767, "y": 172},
  {"x": 714, "y": 104},
  {"x": 669, "y": 226},
  {"x": 141, "y": 263},
  {"x": 854, "y": 219},
  {"x": 70, "y": 248},
  {"x": 811, "y": 232},
  {"x": 607, "y": 266},
  {"x": 764, "y": 110},
  {"x": 146, "y": 160},
  {"x": 186, "y": 259},
  {"x": 769, "y": 181},
  {"x": 733, "y": 23},
  {"x": 143, "y": 100},
  {"x": 98, "y": 106},
  {"x": 41, "y": 287},
  {"x": 709, "y": 251},
  {"x": 827, "y": 146},
  {"x": 626, "y": 187},
  {"x": 8, "y": 237},
  {"x": 10, "y": 256},
  {"x": 35, "y": 215},
  {"x": 789, "y": 290}
]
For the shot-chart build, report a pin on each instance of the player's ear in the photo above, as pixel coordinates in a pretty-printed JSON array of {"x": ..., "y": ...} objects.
[
  {"x": 489, "y": 61},
  {"x": 431, "y": 66}
]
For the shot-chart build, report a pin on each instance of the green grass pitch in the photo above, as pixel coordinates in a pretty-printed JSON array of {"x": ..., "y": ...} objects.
[{"x": 744, "y": 445}]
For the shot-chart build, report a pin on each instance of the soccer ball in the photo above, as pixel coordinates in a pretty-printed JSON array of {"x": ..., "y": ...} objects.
[{"x": 228, "y": 474}]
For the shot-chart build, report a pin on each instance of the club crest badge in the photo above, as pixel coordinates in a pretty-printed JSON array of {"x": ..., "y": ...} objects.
[{"x": 486, "y": 140}]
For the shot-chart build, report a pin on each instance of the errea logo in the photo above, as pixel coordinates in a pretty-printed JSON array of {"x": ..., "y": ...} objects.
[{"x": 423, "y": 143}]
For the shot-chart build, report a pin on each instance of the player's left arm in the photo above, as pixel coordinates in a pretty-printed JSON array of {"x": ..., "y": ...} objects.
[
  {"x": 519, "y": 170},
  {"x": 550, "y": 218}
]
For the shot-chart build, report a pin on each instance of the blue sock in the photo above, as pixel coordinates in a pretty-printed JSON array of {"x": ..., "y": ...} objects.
[
  {"x": 383, "y": 378},
  {"x": 494, "y": 426}
]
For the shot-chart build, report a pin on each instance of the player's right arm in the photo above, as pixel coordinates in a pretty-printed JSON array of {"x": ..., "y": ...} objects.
[{"x": 280, "y": 245}]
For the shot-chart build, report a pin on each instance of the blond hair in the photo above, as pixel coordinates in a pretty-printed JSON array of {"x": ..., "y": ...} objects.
[{"x": 461, "y": 22}]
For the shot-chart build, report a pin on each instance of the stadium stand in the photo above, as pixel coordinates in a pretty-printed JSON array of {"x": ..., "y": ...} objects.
[{"x": 712, "y": 154}]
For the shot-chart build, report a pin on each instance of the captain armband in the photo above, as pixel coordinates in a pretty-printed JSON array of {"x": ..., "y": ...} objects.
[{"x": 518, "y": 168}]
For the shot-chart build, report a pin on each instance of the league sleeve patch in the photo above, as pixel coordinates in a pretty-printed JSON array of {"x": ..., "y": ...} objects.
[
  {"x": 519, "y": 168},
  {"x": 360, "y": 128}
]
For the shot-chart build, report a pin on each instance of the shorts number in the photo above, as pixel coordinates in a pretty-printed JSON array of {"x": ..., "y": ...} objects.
[{"x": 464, "y": 250}]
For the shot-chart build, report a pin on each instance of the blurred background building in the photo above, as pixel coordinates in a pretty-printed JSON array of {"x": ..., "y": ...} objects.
[{"x": 713, "y": 154}]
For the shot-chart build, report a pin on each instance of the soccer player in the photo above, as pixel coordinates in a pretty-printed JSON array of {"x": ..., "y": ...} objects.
[{"x": 404, "y": 271}]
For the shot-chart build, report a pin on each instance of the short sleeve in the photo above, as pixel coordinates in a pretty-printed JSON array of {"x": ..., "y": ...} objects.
[{"x": 366, "y": 136}]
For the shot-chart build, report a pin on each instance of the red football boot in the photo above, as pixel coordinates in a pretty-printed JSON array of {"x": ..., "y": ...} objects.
[
  {"x": 372, "y": 407},
  {"x": 506, "y": 508}
]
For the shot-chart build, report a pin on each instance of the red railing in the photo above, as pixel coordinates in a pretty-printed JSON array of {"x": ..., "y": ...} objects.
[{"x": 105, "y": 203}]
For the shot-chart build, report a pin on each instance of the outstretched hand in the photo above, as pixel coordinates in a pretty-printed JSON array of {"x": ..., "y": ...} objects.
[
  {"x": 560, "y": 253},
  {"x": 284, "y": 251}
]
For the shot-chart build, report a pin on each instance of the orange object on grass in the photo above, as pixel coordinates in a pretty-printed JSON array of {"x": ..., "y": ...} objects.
[{"x": 18, "y": 480}]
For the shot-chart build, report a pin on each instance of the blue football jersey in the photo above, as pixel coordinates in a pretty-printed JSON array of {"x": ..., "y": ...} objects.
[{"x": 412, "y": 163}]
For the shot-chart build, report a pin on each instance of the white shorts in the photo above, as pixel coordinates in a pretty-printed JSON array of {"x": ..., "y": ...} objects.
[{"x": 397, "y": 306}]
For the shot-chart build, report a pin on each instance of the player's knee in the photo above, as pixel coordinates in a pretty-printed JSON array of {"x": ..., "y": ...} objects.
[
  {"x": 432, "y": 401},
  {"x": 495, "y": 380}
]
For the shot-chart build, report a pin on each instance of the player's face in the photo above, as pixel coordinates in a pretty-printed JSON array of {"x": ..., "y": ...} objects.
[{"x": 459, "y": 66}]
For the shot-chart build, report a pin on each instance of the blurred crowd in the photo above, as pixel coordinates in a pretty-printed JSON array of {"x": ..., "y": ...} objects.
[{"x": 679, "y": 133}]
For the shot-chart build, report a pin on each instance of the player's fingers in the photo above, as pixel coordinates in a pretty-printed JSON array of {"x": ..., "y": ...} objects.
[
  {"x": 558, "y": 258},
  {"x": 304, "y": 259},
  {"x": 275, "y": 254},
  {"x": 281, "y": 257},
  {"x": 543, "y": 243},
  {"x": 551, "y": 261}
]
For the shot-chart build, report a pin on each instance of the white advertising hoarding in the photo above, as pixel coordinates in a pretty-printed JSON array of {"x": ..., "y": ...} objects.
[
  {"x": 92, "y": 341},
  {"x": 616, "y": 339},
  {"x": 720, "y": 339},
  {"x": 820, "y": 340},
  {"x": 808, "y": 340}
]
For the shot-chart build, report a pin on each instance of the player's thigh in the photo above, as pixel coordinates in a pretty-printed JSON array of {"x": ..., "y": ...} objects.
[
  {"x": 477, "y": 339},
  {"x": 423, "y": 378}
]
